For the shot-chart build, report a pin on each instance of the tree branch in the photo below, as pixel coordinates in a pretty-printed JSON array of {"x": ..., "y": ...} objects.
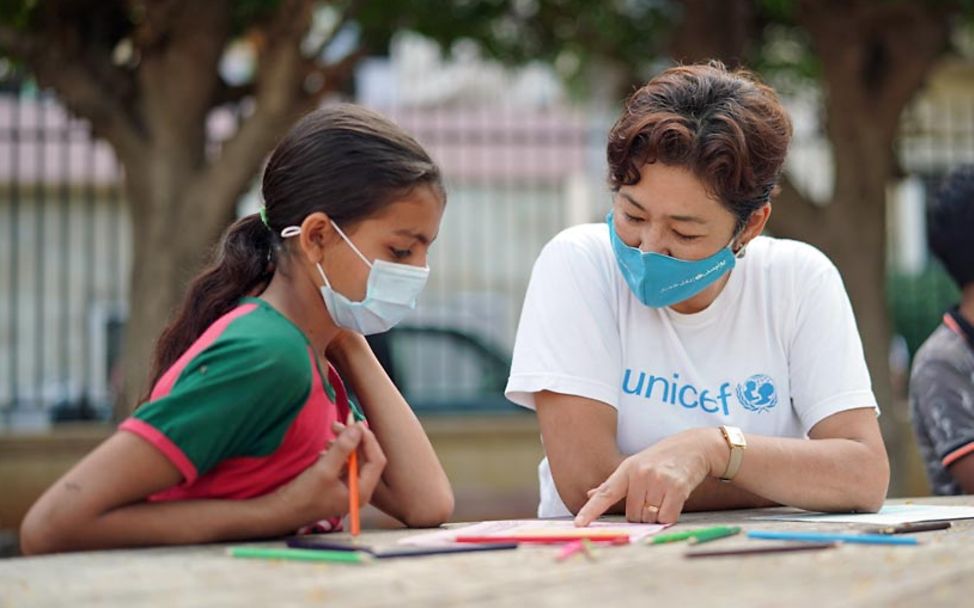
[
  {"x": 875, "y": 55},
  {"x": 332, "y": 76},
  {"x": 288, "y": 84},
  {"x": 15, "y": 42},
  {"x": 351, "y": 11},
  {"x": 713, "y": 30},
  {"x": 230, "y": 94},
  {"x": 185, "y": 38},
  {"x": 79, "y": 84},
  {"x": 278, "y": 100},
  {"x": 916, "y": 36}
]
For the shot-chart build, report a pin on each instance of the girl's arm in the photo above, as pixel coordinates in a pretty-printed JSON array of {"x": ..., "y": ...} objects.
[
  {"x": 842, "y": 467},
  {"x": 414, "y": 488},
  {"x": 101, "y": 502}
]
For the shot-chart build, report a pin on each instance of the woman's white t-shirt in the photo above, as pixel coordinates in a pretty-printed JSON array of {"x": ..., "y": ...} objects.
[{"x": 775, "y": 353}]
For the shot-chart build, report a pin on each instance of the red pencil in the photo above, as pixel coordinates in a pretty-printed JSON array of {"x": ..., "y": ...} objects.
[
  {"x": 353, "y": 498},
  {"x": 546, "y": 539}
]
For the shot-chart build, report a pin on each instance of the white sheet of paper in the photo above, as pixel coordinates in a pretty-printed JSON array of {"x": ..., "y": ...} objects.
[
  {"x": 889, "y": 515},
  {"x": 636, "y": 532}
]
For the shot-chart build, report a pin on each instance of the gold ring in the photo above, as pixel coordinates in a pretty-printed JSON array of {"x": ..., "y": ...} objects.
[{"x": 651, "y": 508}]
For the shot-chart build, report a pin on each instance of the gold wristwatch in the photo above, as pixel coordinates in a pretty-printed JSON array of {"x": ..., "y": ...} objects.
[{"x": 737, "y": 444}]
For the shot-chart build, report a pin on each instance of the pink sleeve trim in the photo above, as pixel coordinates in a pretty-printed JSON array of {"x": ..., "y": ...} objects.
[
  {"x": 165, "y": 445},
  {"x": 165, "y": 384},
  {"x": 341, "y": 396},
  {"x": 957, "y": 454}
]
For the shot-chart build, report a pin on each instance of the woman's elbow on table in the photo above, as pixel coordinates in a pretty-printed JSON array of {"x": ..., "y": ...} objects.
[
  {"x": 874, "y": 489},
  {"x": 866, "y": 490}
]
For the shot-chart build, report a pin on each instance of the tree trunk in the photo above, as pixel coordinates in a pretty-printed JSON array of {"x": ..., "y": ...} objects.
[
  {"x": 713, "y": 30},
  {"x": 165, "y": 258},
  {"x": 875, "y": 57},
  {"x": 181, "y": 200}
]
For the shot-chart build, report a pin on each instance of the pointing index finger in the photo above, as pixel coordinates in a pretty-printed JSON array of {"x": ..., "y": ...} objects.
[{"x": 609, "y": 493}]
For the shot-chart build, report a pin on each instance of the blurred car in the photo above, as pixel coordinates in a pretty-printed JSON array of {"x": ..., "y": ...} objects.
[{"x": 445, "y": 370}]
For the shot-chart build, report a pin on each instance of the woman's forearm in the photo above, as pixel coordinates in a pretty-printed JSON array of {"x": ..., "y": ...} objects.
[
  {"x": 715, "y": 495},
  {"x": 414, "y": 487},
  {"x": 833, "y": 474}
]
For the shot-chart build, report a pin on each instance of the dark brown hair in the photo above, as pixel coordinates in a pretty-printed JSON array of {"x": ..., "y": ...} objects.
[
  {"x": 343, "y": 160},
  {"x": 727, "y": 128}
]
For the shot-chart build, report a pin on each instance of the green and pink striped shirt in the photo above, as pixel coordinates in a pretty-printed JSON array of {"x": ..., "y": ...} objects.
[{"x": 244, "y": 410}]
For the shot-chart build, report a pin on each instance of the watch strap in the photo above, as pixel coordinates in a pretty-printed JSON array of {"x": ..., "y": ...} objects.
[{"x": 736, "y": 454}]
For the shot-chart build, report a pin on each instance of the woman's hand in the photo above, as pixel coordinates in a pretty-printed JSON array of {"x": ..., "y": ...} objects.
[
  {"x": 657, "y": 481},
  {"x": 321, "y": 490}
]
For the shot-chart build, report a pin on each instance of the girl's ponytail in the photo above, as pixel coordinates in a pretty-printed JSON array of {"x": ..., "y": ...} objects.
[{"x": 242, "y": 266}]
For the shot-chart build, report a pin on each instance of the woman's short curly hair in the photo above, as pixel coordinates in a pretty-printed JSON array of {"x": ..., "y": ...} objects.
[
  {"x": 726, "y": 127},
  {"x": 950, "y": 224}
]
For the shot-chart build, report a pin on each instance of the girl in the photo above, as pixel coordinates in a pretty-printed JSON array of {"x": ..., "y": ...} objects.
[
  {"x": 240, "y": 436},
  {"x": 669, "y": 370}
]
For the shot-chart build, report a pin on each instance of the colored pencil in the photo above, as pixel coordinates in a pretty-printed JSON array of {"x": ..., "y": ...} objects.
[
  {"x": 392, "y": 551},
  {"x": 867, "y": 539},
  {"x": 761, "y": 549},
  {"x": 304, "y": 555},
  {"x": 569, "y": 550},
  {"x": 589, "y": 550},
  {"x": 353, "y": 497},
  {"x": 923, "y": 526},
  {"x": 705, "y": 536},
  {"x": 544, "y": 538},
  {"x": 396, "y": 552},
  {"x": 688, "y": 534}
]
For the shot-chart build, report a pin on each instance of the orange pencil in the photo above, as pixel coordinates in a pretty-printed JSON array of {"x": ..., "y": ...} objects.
[{"x": 353, "y": 498}]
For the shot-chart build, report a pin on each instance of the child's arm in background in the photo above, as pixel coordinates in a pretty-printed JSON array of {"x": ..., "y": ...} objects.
[
  {"x": 101, "y": 502},
  {"x": 414, "y": 488}
]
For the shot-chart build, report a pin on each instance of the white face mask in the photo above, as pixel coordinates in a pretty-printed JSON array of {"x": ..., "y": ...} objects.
[{"x": 390, "y": 293}]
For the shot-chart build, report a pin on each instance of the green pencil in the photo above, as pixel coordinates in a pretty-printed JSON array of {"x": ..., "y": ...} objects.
[
  {"x": 688, "y": 534},
  {"x": 706, "y": 536},
  {"x": 305, "y": 555}
]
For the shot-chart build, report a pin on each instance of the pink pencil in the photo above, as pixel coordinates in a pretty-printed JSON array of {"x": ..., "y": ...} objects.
[{"x": 570, "y": 549}]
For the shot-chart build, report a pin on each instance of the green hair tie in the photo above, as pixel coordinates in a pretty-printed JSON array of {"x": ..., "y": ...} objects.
[{"x": 263, "y": 216}]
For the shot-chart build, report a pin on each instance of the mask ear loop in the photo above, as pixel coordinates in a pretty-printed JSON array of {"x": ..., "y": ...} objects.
[
  {"x": 322, "y": 273},
  {"x": 295, "y": 231},
  {"x": 743, "y": 248},
  {"x": 351, "y": 244},
  {"x": 741, "y": 251}
]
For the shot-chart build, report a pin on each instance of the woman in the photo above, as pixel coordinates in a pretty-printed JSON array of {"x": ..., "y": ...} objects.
[
  {"x": 669, "y": 370},
  {"x": 242, "y": 434}
]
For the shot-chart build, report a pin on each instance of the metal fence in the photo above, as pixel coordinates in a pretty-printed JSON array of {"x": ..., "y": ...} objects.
[
  {"x": 515, "y": 176},
  {"x": 64, "y": 261}
]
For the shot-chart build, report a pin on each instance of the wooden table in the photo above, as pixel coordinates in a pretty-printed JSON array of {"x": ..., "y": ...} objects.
[{"x": 939, "y": 572}]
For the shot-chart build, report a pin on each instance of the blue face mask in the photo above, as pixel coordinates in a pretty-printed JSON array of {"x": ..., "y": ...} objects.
[{"x": 659, "y": 280}]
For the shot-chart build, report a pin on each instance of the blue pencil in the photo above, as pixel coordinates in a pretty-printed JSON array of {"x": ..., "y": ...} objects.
[{"x": 818, "y": 537}]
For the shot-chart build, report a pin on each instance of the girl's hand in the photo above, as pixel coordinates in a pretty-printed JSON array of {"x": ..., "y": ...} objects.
[
  {"x": 657, "y": 481},
  {"x": 321, "y": 490}
]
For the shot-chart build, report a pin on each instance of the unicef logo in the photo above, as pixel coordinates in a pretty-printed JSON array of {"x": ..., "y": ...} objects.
[{"x": 757, "y": 393}]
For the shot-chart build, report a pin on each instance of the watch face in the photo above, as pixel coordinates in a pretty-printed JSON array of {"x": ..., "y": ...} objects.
[{"x": 735, "y": 436}]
